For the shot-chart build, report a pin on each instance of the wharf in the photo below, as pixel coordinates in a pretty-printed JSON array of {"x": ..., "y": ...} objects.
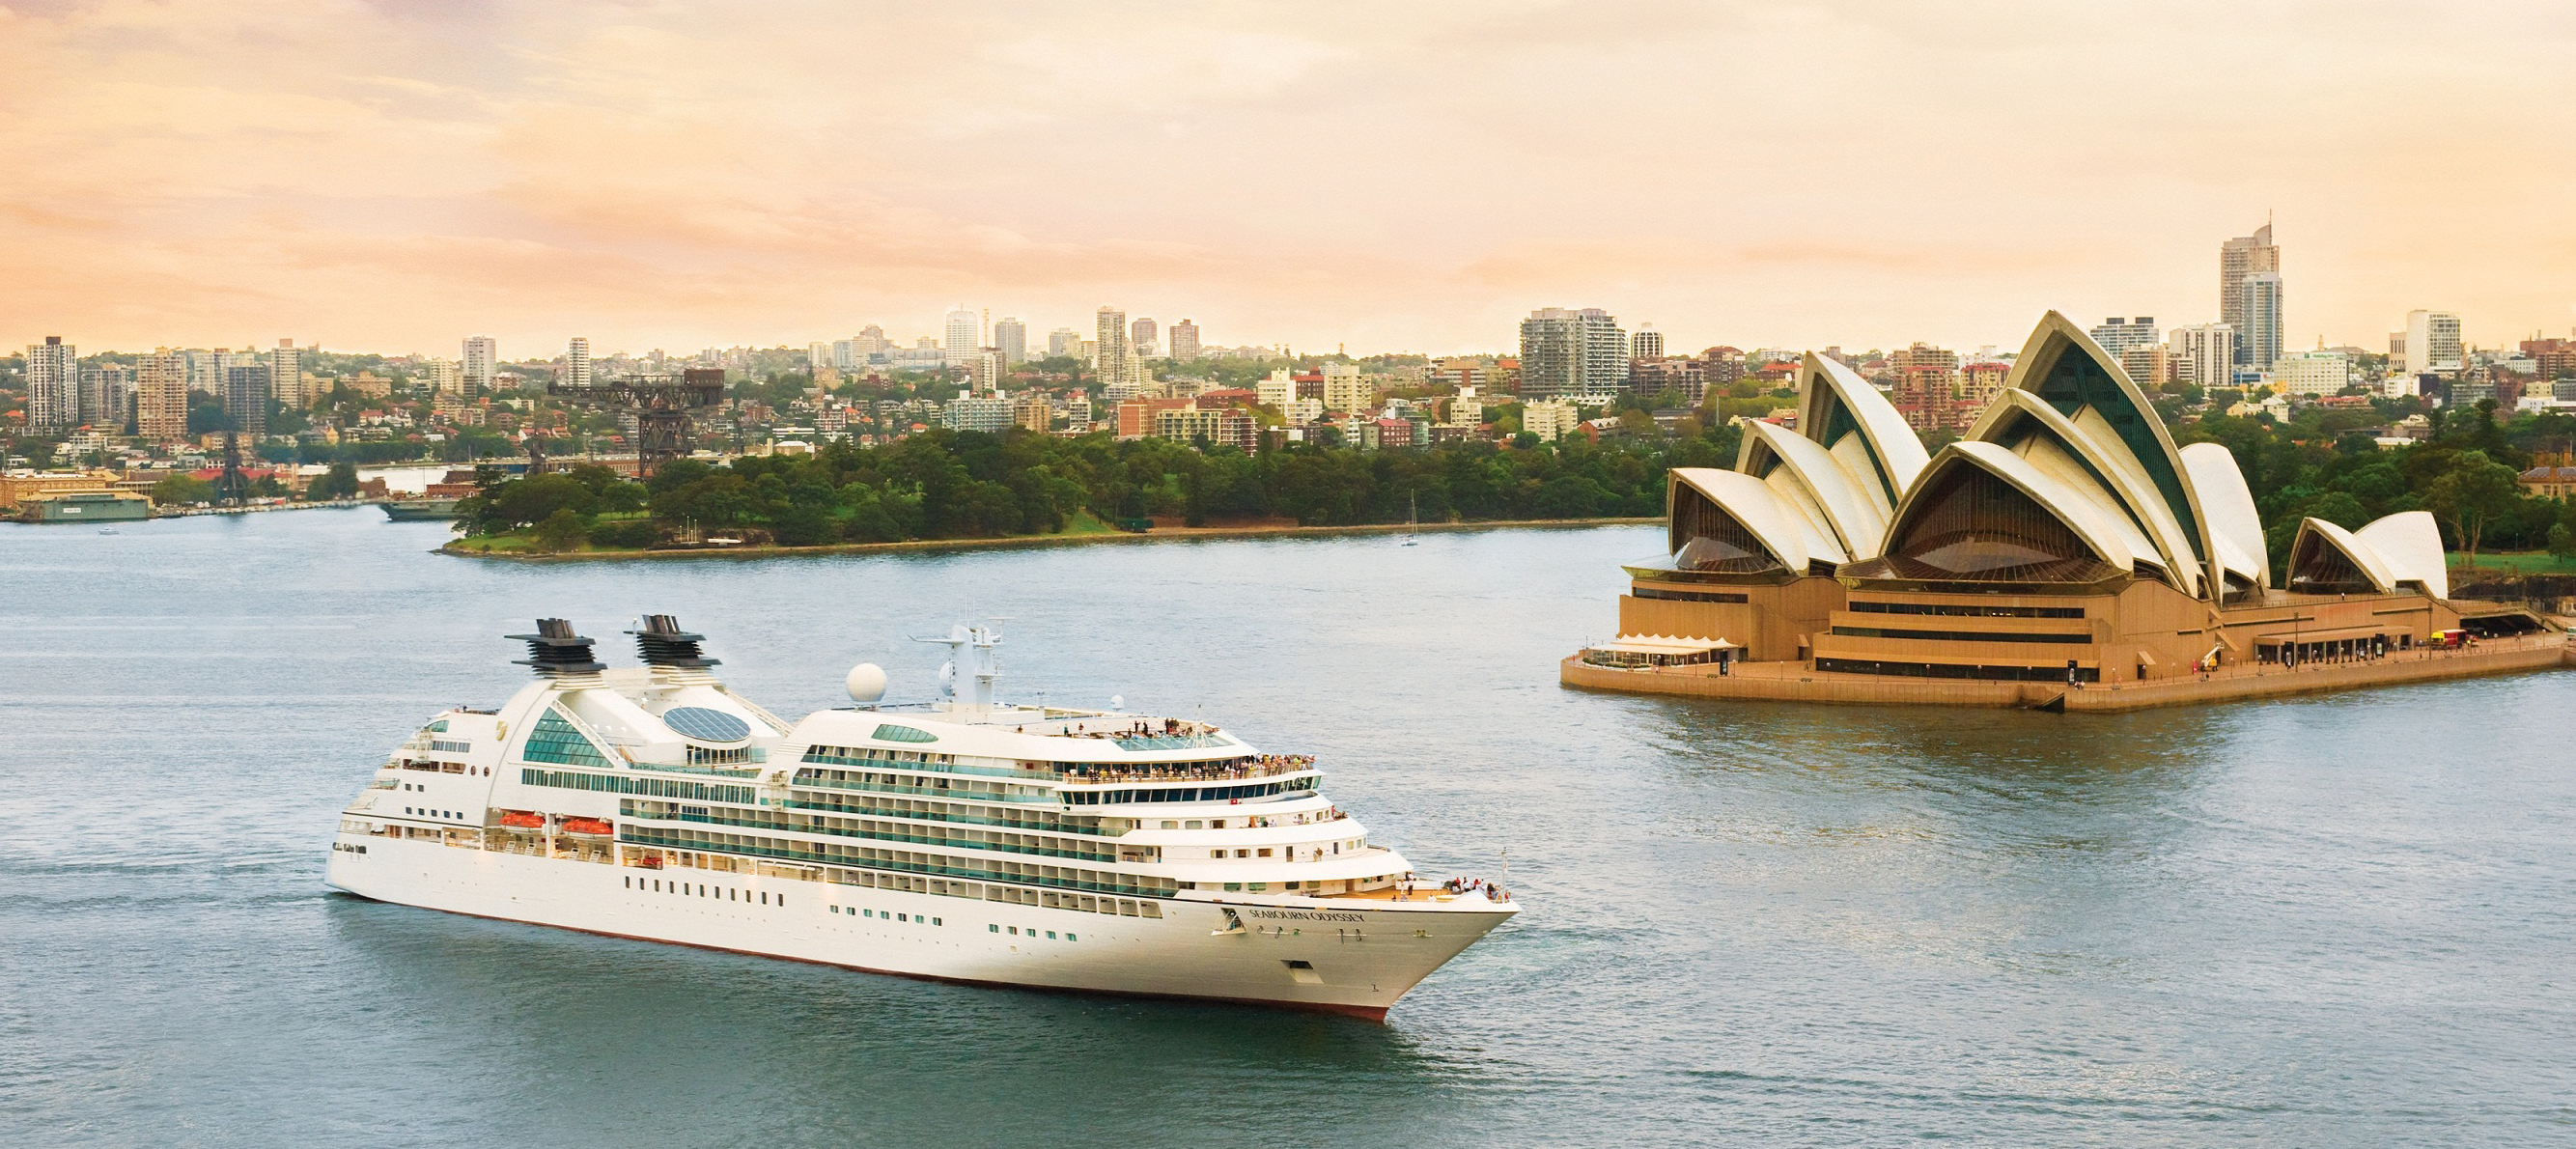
[{"x": 1797, "y": 682}]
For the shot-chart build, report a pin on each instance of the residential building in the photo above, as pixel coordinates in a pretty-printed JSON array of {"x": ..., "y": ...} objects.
[
  {"x": 53, "y": 386},
  {"x": 1926, "y": 388},
  {"x": 2319, "y": 372},
  {"x": 1110, "y": 355},
  {"x": 161, "y": 396},
  {"x": 870, "y": 345},
  {"x": 1144, "y": 337},
  {"x": 246, "y": 397},
  {"x": 970, "y": 412},
  {"x": 1033, "y": 412},
  {"x": 2259, "y": 335},
  {"x": 1136, "y": 416},
  {"x": 1654, "y": 376},
  {"x": 1566, "y": 352},
  {"x": 482, "y": 363},
  {"x": 2237, "y": 258},
  {"x": 2551, "y": 358},
  {"x": 1277, "y": 389},
  {"x": 2117, "y": 334},
  {"x": 576, "y": 372},
  {"x": 984, "y": 369},
  {"x": 1647, "y": 343},
  {"x": 1982, "y": 380},
  {"x": 2432, "y": 344},
  {"x": 1011, "y": 338},
  {"x": 1549, "y": 419},
  {"x": 2202, "y": 355},
  {"x": 2554, "y": 483},
  {"x": 963, "y": 333},
  {"x": 1222, "y": 427},
  {"x": 443, "y": 377},
  {"x": 286, "y": 376},
  {"x": 2148, "y": 365},
  {"x": 1064, "y": 341},
  {"x": 1185, "y": 341},
  {"x": 1345, "y": 388},
  {"x": 1301, "y": 412},
  {"x": 107, "y": 397}
]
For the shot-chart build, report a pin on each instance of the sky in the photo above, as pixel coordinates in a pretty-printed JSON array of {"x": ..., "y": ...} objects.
[{"x": 1382, "y": 176}]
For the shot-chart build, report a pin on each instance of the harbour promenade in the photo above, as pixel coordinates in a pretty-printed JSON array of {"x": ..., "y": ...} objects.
[{"x": 1796, "y": 682}]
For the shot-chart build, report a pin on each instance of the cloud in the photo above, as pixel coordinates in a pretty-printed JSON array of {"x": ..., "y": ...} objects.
[{"x": 395, "y": 174}]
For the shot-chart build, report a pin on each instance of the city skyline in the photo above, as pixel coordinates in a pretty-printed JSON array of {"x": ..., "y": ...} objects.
[{"x": 645, "y": 177}]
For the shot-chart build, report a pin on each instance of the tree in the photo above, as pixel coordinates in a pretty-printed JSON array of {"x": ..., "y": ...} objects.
[
  {"x": 2562, "y": 543},
  {"x": 561, "y": 531},
  {"x": 2473, "y": 491},
  {"x": 340, "y": 482},
  {"x": 180, "y": 490}
]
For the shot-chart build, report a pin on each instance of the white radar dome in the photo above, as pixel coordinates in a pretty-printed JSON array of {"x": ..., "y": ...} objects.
[{"x": 866, "y": 683}]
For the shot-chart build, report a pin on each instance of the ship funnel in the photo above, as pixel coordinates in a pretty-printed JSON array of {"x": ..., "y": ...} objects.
[
  {"x": 555, "y": 651},
  {"x": 661, "y": 642}
]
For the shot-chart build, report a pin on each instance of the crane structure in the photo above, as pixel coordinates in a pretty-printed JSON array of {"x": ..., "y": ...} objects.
[{"x": 661, "y": 404}]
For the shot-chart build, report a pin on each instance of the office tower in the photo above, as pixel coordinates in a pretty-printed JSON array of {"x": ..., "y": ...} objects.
[
  {"x": 1110, "y": 358},
  {"x": 161, "y": 396},
  {"x": 2258, "y": 342},
  {"x": 246, "y": 397},
  {"x": 964, "y": 334},
  {"x": 1570, "y": 352},
  {"x": 53, "y": 386},
  {"x": 482, "y": 363},
  {"x": 107, "y": 392},
  {"x": 1063, "y": 341},
  {"x": 2203, "y": 355},
  {"x": 1647, "y": 343},
  {"x": 2433, "y": 343},
  {"x": 2237, "y": 258},
  {"x": 576, "y": 372},
  {"x": 1185, "y": 341},
  {"x": 1144, "y": 336},
  {"x": 1011, "y": 338},
  {"x": 286, "y": 375},
  {"x": 2117, "y": 335}
]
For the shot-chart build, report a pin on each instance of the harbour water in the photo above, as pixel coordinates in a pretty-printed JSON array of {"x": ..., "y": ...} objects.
[{"x": 2336, "y": 921}]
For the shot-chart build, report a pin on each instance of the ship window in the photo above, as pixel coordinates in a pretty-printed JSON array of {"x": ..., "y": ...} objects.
[
  {"x": 1072, "y": 938},
  {"x": 1015, "y": 931},
  {"x": 1233, "y": 886},
  {"x": 1265, "y": 853},
  {"x": 1050, "y": 935},
  {"x": 1195, "y": 825},
  {"x": 1171, "y": 825},
  {"x": 995, "y": 929},
  {"x": 903, "y": 917},
  {"x": 937, "y": 922}
]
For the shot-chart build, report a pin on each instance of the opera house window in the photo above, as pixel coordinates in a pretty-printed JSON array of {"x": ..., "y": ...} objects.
[{"x": 1974, "y": 526}]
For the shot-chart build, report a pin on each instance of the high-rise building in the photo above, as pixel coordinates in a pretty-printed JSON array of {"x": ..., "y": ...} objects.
[
  {"x": 2259, "y": 338},
  {"x": 1570, "y": 352},
  {"x": 2433, "y": 344},
  {"x": 1185, "y": 341},
  {"x": 2237, "y": 258},
  {"x": 53, "y": 386},
  {"x": 2203, "y": 355},
  {"x": 107, "y": 396},
  {"x": 444, "y": 377},
  {"x": 2149, "y": 365},
  {"x": 246, "y": 397},
  {"x": 1647, "y": 343},
  {"x": 870, "y": 344},
  {"x": 2117, "y": 334},
  {"x": 161, "y": 396},
  {"x": 1110, "y": 358},
  {"x": 964, "y": 333},
  {"x": 1144, "y": 337},
  {"x": 1064, "y": 341},
  {"x": 286, "y": 375},
  {"x": 482, "y": 363},
  {"x": 576, "y": 372},
  {"x": 1011, "y": 338}
]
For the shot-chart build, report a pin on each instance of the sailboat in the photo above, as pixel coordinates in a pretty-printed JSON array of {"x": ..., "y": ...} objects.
[{"x": 1412, "y": 517}]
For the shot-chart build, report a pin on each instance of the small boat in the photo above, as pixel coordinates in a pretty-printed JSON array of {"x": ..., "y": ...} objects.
[
  {"x": 587, "y": 826},
  {"x": 523, "y": 820},
  {"x": 1412, "y": 518},
  {"x": 421, "y": 510},
  {"x": 107, "y": 530}
]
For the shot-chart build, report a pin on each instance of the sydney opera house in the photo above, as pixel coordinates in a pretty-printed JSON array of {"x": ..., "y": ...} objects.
[{"x": 2064, "y": 552}]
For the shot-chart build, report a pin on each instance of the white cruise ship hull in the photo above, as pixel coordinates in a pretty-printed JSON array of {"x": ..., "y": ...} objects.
[{"x": 1358, "y": 956}]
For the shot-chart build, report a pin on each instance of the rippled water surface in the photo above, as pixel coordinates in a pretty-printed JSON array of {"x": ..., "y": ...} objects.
[{"x": 2339, "y": 921}]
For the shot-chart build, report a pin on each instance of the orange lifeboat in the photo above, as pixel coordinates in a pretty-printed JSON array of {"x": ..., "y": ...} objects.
[
  {"x": 586, "y": 826},
  {"x": 523, "y": 820}
]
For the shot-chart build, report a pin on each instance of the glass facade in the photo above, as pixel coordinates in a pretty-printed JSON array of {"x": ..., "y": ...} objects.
[
  {"x": 556, "y": 740},
  {"x": 1707, "y": 539},
  {"x": 1972, "y": 526}
]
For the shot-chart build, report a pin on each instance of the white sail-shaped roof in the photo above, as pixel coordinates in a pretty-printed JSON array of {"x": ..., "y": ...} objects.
[
  {"x": 2315, "y": 533},
  {"x": 1782, "y": 531},
  {"x": 2064, "y": 367},
  {"x": 2117, "y": 545},
  {"x": 2022, "y": 422},
  {"x": 2235, "y": 526},
  {"x": 1841, "y": 412},
  {"x": 1841, "y": 501},
  {"x": 2410, "y": 544}
]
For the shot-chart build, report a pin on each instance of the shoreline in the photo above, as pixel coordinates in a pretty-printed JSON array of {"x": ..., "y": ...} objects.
[{"x": 1016, "y": 542}]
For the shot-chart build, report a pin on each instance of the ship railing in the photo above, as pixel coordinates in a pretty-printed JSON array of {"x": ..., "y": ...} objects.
[
  {"x": 1269, "y": 766},
  {"x": 641, "y": 838},
  {"x": 713, "y": 819},
  {"x": 961, "y": 819}
]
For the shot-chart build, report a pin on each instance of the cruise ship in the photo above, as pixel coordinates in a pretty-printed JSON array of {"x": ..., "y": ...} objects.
[{"x": 966, "y": 839}]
